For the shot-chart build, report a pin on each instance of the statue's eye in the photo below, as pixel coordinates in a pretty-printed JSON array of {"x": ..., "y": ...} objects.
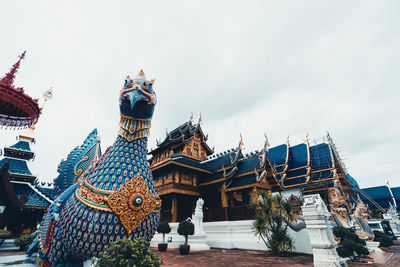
[{"x": 137, "y": 201}]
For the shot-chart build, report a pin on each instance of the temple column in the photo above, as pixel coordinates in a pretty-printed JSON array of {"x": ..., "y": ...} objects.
[
  {"x": 224, "y": 200},
  {"x": 174, "y": 209},
  {"x": 254, "y": 195},
  {"x": 224, "y": 197}
]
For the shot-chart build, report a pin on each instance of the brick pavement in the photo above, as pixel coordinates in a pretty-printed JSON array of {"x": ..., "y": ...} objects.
[
  {"x": 395, "y": 259},
  {"x": 232, "y": 257}
]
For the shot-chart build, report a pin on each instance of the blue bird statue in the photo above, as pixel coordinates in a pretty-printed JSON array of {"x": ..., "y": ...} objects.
[{"x": 114, "y": 198}]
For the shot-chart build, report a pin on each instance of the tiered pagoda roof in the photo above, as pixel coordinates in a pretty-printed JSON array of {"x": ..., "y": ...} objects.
[
  {"x": 383, "y": 195},
  {"x": 182, "y": 135},
  {"x": 17, "y": 109}
]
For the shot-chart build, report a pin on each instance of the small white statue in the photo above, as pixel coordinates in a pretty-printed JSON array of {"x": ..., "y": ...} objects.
[{"x": 197, "y": 217}]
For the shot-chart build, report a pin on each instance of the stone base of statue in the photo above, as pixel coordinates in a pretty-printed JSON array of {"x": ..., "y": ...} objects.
[
  {"x": 316, "y": 217},
  {"x": 198, "y": 242}
]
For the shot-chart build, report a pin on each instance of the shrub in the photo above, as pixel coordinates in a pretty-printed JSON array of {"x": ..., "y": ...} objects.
[
  {"x": 186, "y": 228},
  {"x": 163, "y": 228},
  {"x": 350, "y": 246},
  {"x": 126, "y": 252},
  {"x": 24, "y": 241},
  {"x": 270, "y": 222},
  {"x": 4, "y": 234},
  {"x": 383, "y": 239}
]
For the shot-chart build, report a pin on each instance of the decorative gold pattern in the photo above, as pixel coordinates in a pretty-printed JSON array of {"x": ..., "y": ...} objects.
[
  {"x": 122, "y": 203},
  {"x": 131, "y": 203},
  {"x": 132, "y": 129}
]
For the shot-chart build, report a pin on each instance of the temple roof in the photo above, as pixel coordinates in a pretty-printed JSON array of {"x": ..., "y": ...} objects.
[
  {"x": 380, "y": 194},
  {"x": 182, "y": 135},
  {"x": 21, "y": 145},
  {"x": 33, "y": 197},
  {"x": 17, "y": 166},
  {"x": 17, "y": 109}
]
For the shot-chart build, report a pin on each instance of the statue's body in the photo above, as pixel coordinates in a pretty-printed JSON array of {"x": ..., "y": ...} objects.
[{"x": 116, "y": 197}]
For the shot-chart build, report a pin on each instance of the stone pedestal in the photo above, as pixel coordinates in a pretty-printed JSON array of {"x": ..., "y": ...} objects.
[
  {"x": 316, "y": 217},
  {"x": 373, "y": 246}
]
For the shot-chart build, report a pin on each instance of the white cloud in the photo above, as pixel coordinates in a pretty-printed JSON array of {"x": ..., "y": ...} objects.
[{"x": 285, "y": 68}]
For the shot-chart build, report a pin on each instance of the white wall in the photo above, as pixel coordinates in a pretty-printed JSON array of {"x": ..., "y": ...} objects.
[{"x": 234, "y": 234}]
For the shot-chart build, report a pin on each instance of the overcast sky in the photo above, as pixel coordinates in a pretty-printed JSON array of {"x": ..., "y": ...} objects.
[{"x": 249, "y": 67}]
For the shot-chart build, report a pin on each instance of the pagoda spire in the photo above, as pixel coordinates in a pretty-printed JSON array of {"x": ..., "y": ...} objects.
[{"x": 8, "y": 79}]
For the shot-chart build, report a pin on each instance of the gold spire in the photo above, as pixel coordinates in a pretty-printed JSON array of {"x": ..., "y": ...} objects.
[{"x": 141, "y": 75}]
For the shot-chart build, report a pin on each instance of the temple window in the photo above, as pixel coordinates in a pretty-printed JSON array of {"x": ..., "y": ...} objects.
[{"x": 196, "y": 150}]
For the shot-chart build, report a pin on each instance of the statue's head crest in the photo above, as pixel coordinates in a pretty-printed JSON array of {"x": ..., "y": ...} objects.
[{"x": 137, "y": 97}]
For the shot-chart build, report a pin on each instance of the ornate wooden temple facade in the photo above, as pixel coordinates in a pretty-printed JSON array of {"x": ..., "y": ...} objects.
[{"x": 185, "y": 168}]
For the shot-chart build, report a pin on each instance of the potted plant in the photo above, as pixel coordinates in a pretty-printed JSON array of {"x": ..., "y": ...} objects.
[
  {"x": 384, "y": 241},
  {"x": 24, "y": 241},
  {"x": 185, "y": 228},
  {"x": 163, "y": 228},
  {"x": 126, "y": 252},
  {"x": 351, "y": 246}
]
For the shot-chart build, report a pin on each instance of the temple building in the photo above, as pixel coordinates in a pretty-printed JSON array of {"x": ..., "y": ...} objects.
[
  {"x": 185, "y": 168},
  {"x": 22, "y": 202}
]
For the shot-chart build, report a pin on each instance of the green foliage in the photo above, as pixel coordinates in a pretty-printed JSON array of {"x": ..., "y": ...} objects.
[
  {"x": 163, "y": 228},
  {"x": 24, "y": 241},
  {"x": 270, "y": 222},
  {"x": 383, "y": 239},
  {"x": 4, "y": 234},
  {"x": 186, "y": 228},
  {"x": 350, "y": 246},
  {"x": 126, "y": 252}
]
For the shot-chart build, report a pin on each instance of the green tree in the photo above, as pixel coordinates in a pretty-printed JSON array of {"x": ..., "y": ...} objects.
[
  {"x": 270, "y": 219},
  {"x": 126, "y": 252},
  {"x": 350, "y": 246},
  {"x": 163, "y": 228},
  {"x": 186, "y": 228}
]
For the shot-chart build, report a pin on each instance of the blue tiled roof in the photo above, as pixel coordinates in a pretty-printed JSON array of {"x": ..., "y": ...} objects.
[
  {"x": 243, "y": 180},
  {"x": 34, "y": 198},
  {"x": 51, "y": 193},
  {"x": 21, "y": 145},
  {"x": 298, "y": 156},
  {"x": 321, "y": 158},
  {"x": 396, "y": 193},
  {"x": 17, "y": 166},
  {"x": 278, "y": 155},
  {"x": 379, "y": 194},
  {"x": 352, "y": 181},
  {"x": 220, "y": 161}
]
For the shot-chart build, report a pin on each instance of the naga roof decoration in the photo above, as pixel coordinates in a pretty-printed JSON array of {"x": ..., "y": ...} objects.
[
  {"x": 77, "y": 162},
  {"x": 17, "y": 109}
]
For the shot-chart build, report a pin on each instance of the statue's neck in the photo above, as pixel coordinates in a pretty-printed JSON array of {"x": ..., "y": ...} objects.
[{"x": 133, "y": 129}]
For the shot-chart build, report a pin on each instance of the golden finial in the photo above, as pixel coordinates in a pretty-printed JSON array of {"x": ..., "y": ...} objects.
[
  {"x": 141, "y": 75},
  {"x": 191, "y": 117},
  {"x": 288, "y": 140},
  {"x": 200, "y": 119},
  {"x": 241, "y": 140},
  {"x": 266, "y": 140}
]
